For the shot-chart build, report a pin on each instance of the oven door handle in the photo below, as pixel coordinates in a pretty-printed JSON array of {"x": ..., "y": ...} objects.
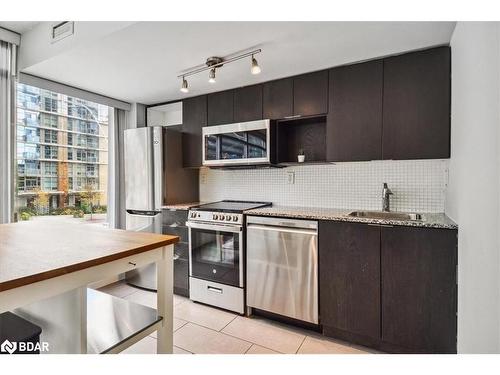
[{"x": 219, "y": 227}]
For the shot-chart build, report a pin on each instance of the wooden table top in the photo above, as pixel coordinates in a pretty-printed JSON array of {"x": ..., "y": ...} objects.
[{"x": 41, "y": 249}]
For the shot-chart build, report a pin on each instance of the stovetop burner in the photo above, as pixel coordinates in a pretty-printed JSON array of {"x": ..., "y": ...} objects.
[{"x": 230, "y": 206}]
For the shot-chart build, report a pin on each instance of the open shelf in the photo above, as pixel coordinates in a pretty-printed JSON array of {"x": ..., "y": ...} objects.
[
  {"x": 113, "y": 323},
  {"x": 308, "y": 134}
]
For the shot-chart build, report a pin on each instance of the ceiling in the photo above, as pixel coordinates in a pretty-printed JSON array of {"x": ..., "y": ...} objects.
[
  {"x": 140, "y": 63},
  {"x": 18, "y": 26}
]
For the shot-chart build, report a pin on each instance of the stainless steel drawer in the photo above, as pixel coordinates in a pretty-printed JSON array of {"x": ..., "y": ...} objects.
[{"x": 215, "y": 294}]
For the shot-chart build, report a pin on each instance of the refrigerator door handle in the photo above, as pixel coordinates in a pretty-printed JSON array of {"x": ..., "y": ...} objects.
[{"x": 158, "y": 167}]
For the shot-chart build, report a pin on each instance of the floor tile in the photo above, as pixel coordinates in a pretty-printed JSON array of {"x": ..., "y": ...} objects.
[
  {"x": 146, "y": 346},
  {"x": 180, "y": 299},
  {"x": 316, "y": 345},
  {"x": 260, "y": 332},
  {"x": 201, "y": 340},
  {"x": 180, "y": 351},
  {"x": 118, "y": 289},
  {"x": 257, "y": 349},
  {"x": 203, "y": 315},
  {"x": 178, "y": 323}
]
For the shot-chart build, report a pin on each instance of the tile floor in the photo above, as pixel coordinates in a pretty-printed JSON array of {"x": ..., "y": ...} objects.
[{"x": 201, "y": 329}]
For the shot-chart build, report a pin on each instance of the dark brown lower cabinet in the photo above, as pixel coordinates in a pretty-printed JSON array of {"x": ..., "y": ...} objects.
[
  {"x": 349, "y": 270},
  {"x": 419, "y": 290},
  {"x": 390, "y": 288},
  {"x": 174, "y": 223}
]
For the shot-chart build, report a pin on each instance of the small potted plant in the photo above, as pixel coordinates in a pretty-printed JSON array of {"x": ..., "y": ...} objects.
[{"x": 301, "y": 156}]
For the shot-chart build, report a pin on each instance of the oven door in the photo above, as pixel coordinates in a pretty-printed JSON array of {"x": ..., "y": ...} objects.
[
  {"x": 216, "y": 253},
  {"x": 237, "y": 144}
]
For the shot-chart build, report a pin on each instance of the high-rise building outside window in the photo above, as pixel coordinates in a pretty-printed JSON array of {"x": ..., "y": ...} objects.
[{"x": 62, "y": 154}]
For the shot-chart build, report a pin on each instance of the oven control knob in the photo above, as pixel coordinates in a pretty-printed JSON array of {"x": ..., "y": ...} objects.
[
  {"x": 235, "y": 218},
  {"x": 221, "y": 217},
  {"x": 228, "y": 218},
  {"x": 215, "y": 217}
]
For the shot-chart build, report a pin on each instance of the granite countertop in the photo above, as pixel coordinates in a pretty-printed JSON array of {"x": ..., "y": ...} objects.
[
  {"x": 429, "y": 220},
  {"x": 180, "y": 206}
]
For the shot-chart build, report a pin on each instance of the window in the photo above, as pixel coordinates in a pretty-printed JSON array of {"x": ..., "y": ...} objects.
[
  {"x": 50, "y": 169},
  {"x": 31, "y": 167},
  {"x": 27, "y": 118},
  {"x": 91, "y": 170},
  {"x": 27, "y": 151},
  {"x": 49, "y": 121},
  {"x": 92, "y": 142},
  {"x": 49, "y": 101},
  {"x": 27, "y": 184},
  {"x": 59, "y": 144},
  {"x": 28, "y": 135},
  {"x": 50, "y": 136},
  {"x": 49, "y": 183},
  {"x": 50, "y": 152}
]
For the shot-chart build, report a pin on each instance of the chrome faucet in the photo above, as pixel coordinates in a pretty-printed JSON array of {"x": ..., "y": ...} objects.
[{"x": 386, "y": 192}]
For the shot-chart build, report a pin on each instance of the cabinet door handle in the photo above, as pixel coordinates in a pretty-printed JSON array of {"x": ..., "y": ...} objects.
[
  {"x": 132, "y": 264},
  {"x": 381, "y": 225}
]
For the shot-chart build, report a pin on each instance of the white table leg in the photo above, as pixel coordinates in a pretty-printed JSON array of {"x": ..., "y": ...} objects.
[
  {"x": 83, "y": 319},
  {"x": 165, "y": 279}
]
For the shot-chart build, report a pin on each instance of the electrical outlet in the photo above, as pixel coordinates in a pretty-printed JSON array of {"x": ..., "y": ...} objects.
[{"x": 290, "y": 178}]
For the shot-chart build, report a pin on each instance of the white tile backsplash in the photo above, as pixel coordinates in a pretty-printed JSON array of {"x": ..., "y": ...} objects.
[{"x": 418, "y": 185}]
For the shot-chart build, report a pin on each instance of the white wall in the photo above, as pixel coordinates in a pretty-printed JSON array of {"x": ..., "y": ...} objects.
[
  {"x": 418, "y": 185},
  {"x": 36, "y": 45},
  {"x": 472, "y": 198}
]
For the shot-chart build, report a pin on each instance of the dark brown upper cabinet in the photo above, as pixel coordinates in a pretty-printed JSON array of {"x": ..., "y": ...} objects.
[
  {"x": 416, "y": 115},
  {"x": 419, "y": 289},
  {"x": 349, "y": 280},
  {"x": 248, "y": 103},
  {"x": 194, "y": 117},
  {"x": 354, "y": 125},
  {"x": 310, "y": 94},
  {"x": 220, "y": 108},
  {"x": 278, "y": 99}
]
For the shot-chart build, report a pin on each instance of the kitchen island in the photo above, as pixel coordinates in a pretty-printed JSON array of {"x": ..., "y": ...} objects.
[{"x": 41, "y": 260}]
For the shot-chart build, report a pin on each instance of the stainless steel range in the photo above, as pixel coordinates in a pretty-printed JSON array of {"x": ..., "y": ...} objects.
[{"x": 216, "y": 253}]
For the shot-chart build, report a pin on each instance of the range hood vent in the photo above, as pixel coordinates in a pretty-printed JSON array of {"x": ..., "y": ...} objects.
[{"x": 62, "y": 30}]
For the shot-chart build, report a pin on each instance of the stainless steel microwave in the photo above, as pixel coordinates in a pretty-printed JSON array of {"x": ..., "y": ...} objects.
[{"x": 239, "y": 144}]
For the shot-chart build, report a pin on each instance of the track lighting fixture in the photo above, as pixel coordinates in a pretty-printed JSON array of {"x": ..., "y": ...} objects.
[
  {"x": 216, "y": 62},
  {"x": 211, "y": 76},
  {"x": 255, "y": 66},
  {"x": 184, "y": 87}
]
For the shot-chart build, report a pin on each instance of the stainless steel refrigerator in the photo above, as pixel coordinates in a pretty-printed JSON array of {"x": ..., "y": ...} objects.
[{"x": 154, "y": 177}]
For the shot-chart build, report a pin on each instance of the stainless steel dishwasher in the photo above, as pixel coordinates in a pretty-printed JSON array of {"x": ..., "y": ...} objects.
[{"x": 282, "y": 267}]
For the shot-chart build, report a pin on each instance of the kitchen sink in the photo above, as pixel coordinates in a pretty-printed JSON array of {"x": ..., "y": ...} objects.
[{"x": 386, "y": 215}]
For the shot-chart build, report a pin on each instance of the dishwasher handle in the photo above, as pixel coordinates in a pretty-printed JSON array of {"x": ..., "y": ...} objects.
[
  {"x": 311, "y": 232},
  {"x": 283, "y": 222}
]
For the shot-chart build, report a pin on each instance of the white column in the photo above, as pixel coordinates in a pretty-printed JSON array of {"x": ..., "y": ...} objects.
[{"x": 165, "y": 275}]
